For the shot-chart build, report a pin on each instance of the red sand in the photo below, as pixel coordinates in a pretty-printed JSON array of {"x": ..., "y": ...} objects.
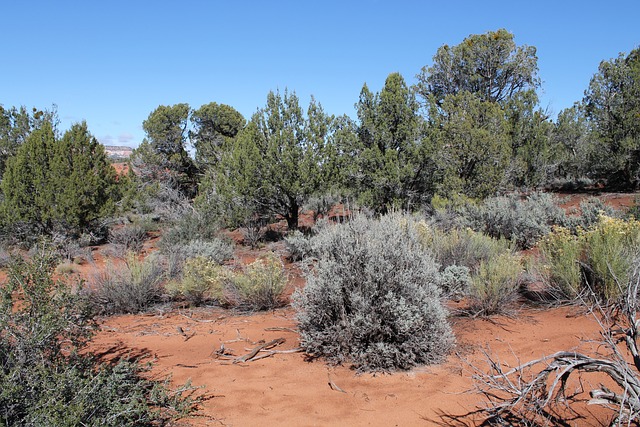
[{"x": 286, "y": 389}]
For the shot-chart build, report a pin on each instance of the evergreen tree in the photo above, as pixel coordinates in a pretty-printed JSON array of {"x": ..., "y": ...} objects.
[
  {"x": 15, "y": 126},
  {"x": 213, "y": 123},
  {"x": 162, "y": 157},
  {"x": 390, "y": 155},
  {"x": 470, "y": 145},
  {"x": 503, "y": 78},
  {"x": 612, "y": 104},
  {"x": 276, "y": 162},
  {"x": 66, "y": 183}
]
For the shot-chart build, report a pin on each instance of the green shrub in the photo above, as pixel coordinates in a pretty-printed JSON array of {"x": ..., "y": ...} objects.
[
  {"x": 372, "y": 299},
  {"x": 523, "y": 221},
  {"x": 495, "y": 284},
  {"x": 598, "y": 260},
  {"x": 461, "y": 247},
  {"x": 47, "y": 378},
  {"x": 561, "y": 252},
  {"x": 131, "y": 287},
  {"x": 259, "y": 286},
  {"x": 202, "y": 280}
]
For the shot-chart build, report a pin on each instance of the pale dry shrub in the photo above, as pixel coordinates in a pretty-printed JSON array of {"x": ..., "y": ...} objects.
[
  {"x": 372, "y": 299},
  {"x": 495, "y": 285},
  {"x": 129, "y": 237},
  {"x": 130, "y": 287}
]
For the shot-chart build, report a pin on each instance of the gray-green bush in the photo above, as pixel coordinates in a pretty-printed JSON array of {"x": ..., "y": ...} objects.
[
  {"x": 130, "y": 287},
  {"x": 524, "y": 221},
  {"x": 47, "y": 377},
  {"x": 129, "y": 237},
  {"x": 372, "y": 300}
]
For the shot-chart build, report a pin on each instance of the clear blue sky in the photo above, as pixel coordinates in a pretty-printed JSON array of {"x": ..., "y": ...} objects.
[{"x": 112, "y": 62}]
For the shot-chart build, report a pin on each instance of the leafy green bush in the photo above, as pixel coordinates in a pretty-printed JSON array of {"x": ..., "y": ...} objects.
[
  {"x": 495, "y": 284},
  {"x": 598, "y": 260},
  {"x": 372, "y": 300},
  {"x": 259, "y": 286},
  {"x": 523, "y": 221},
  {"x": 47, "y": 378},
  {"x": 130, "y": 287},
  {"x": 202, "y": 280}
]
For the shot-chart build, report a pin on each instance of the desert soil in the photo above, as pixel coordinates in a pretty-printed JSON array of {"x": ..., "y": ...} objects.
[{"x": 285, "y": 388}]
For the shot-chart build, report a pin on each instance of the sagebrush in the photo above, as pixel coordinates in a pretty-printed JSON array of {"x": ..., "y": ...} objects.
[{"x": 372, "y": 300}]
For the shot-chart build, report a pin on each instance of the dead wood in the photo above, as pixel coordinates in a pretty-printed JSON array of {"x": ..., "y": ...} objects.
[
  {"x": 257, "y": 349},
  {"x": 537, "y": 391}
]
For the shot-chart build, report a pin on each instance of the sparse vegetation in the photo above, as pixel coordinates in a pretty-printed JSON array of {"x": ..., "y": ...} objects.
[
  {"x": 46, "y": 376},
  {"x": 464, "y": 153},
  {"x": 128, "y": 287}
]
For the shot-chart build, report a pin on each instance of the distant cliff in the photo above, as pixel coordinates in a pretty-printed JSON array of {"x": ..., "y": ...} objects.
[{"x": 115, "y": 152}]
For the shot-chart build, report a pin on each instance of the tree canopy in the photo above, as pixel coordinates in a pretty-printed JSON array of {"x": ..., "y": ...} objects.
[
  {"x": 490, "y": 65},
  {"x": 612, "y": 104},
  {"x": 64, "y": 184},
  {"x": 279, "y": 160},
  {"x": 213, "y": 123}
]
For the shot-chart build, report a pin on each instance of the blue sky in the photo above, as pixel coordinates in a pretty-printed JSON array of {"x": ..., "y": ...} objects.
[{"x": 112, "y": 62}]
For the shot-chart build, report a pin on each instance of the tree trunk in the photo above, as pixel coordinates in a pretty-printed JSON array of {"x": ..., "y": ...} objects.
[{"x": 292, "y": 216}]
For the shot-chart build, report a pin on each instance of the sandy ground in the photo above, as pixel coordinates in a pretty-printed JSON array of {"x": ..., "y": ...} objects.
[
  {"x": 282, "y": 387},
  {"x": 289, "y": 390}
]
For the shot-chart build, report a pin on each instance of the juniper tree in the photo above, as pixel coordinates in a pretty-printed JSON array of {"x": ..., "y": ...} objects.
[
  {"x": 66, "y": 183},
  {"x": 277, "y": 161}
]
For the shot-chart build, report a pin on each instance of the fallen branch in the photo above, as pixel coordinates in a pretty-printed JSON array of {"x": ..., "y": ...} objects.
[
  {"x": 334, "y": 386},
  {"x": 257, "y": 349},
  {"x": 281, "y": 329}
]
